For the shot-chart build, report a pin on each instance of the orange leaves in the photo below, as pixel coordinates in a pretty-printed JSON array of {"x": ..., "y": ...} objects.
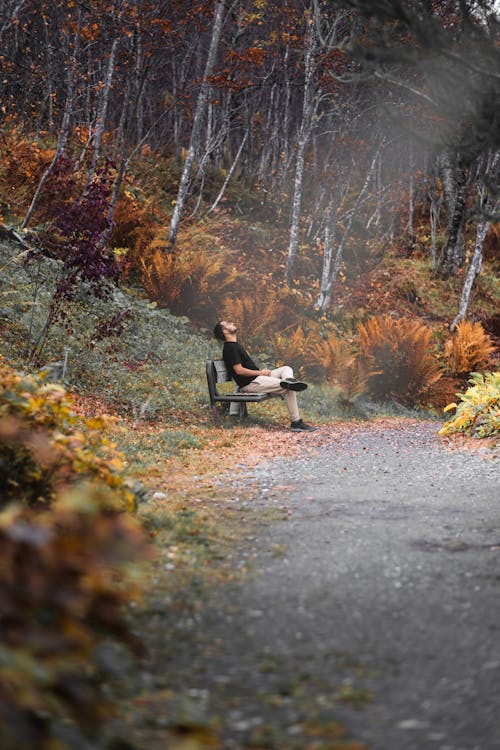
[
  {"x": 292, "y": 348},
  {"x": 340, "y": 364},
  {"x": 469, "y": 349},
  {"x": 398, "y": 356},
  {"x": 91, "y": 32}
]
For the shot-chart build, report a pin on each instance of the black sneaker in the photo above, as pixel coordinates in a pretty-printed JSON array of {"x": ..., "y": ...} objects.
[
  {"x": 301, "y": 426},
  {"x": 293, "y": 385}
]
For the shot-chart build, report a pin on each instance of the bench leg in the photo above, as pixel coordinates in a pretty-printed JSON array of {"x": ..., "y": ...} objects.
[{"x": 215, "y": 414}]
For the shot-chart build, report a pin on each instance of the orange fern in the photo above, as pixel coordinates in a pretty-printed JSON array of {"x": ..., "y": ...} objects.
[
  {"x": 339, "y": 363},
  {"x": 293, "y": 349},
  {"x": 469, "y": 349},
  {"x": 258, "y": 315},
  {"x": 398, "y": 357}
]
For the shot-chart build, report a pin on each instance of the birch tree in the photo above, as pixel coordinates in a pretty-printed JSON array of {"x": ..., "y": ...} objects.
[
  {"x": 331, "y": 260},
  {"x": 101, "y": 115},
  {"x": 488, "y": 208},
  {"x": 308, "y": 108},
  {"x": 199, "y": 114}
]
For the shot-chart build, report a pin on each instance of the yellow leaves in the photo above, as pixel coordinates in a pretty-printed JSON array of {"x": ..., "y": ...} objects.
[
  {"x": 116, "y": 464},
  {"x": 96, "y": 423},
  {"x": 479, "y": 410},
  {"x": 450, "y": 407},
  {"x": 46, "y": 446}
]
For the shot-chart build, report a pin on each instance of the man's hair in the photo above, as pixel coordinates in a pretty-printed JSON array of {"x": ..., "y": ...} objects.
[{"x": 219, "y": 332}]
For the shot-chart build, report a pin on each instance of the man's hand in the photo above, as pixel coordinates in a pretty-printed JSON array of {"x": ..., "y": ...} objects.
[{"x": 265, "y": 372}]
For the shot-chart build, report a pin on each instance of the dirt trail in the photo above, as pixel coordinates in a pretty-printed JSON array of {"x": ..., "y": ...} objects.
[{"x": 373, "y": 605}]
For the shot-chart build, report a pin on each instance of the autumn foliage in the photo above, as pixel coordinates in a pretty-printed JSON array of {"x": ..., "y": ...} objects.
[
  {"x": 469, "y": 349},
  {"x": 478, "y": 410},
  {"x": 63, "y": 584},
  {"x": 190, "y": 281},
  {"x": 45, "y": 448},
  {"x": 66, "y": 564},
  {"x": 398, "y": 357},
  {"x": 340, "y": 364}
]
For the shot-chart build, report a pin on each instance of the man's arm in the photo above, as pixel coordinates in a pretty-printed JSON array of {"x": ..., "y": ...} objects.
[{"x": 240, "y": 370}]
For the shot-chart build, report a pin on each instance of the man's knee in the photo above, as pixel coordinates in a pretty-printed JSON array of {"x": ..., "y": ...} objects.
[{"x": 283, "y": 372}]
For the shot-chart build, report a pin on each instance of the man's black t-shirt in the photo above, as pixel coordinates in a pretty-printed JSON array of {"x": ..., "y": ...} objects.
[{"x": 234, "y": 354}]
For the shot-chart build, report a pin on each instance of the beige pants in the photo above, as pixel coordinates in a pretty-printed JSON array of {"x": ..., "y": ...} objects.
[{"x": 271, "y": 384}]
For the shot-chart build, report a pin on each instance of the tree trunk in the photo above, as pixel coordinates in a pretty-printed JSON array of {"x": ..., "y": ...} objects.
[
  {"x": 454, "y": 176},
  {"x": 474, "y": 268},
  {"x": 434, "y": 211},
  {"x": 308, "y": 107},
  {"x": 330, "y": 272},
  {"x": 229, "y": 175},
  {"x": 61, "y": 145},
  {"x": 201, "y": 106},
  {"x": 101, "y": 117},
  {"x": 451, "y": 256},
  {"x": 410, "y": 225}
]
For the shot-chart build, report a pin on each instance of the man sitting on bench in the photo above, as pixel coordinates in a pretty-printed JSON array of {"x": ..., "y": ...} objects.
[{"x": 251, "y": 379}]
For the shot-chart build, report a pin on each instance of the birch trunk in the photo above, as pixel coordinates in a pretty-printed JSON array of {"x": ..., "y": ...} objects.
[
  {"x": 330, "y": 272},
  {"x": 434, "y": 211},
  {"x": 450, "y": 259},
  {"x": 474, "y": 269},
  {"x": 201, "y": 106},
  {"x": 228, "y": 176},
  {"x": 101, "y": 117},
  {"x": 411, "y": 213},
  {"x": 308, "y": 106}
]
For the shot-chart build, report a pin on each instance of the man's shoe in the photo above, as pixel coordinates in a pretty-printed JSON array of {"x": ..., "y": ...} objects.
[
  {"x": 293, "y": 385},
  {"x": 301, "y": 426}
]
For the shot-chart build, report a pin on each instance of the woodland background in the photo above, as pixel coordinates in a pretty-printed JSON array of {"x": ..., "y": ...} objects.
[
  {"x": 299, "y": 167},
  {"x": 324, "y": 173}
]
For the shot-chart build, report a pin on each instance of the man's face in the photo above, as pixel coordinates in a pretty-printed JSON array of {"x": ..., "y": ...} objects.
[{"x": 228, "y": 326}]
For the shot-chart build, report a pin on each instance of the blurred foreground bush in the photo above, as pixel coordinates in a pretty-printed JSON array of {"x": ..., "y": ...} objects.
[
  {"x": 44, "y": 447},
  {"x": 66, "y": 567},
  {"x": 479, "y": 411}
]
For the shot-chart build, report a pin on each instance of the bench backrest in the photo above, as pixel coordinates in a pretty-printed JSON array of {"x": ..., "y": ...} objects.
[{"x": 216, "y": 373}]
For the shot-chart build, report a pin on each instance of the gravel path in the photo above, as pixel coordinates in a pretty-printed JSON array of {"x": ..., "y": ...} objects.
[{"x": 373, "y": 602}]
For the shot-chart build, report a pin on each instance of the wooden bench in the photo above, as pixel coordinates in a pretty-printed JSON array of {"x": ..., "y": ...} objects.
[{"x": 217, "y": 373}]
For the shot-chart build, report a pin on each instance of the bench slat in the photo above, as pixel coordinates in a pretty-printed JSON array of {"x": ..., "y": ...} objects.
[{"x": 222, "y": 375}]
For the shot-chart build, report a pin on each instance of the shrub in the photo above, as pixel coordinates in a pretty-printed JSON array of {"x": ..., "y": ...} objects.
[
  {"x": 469, "y": 349},
  {"x": 340, "y": 364},
  {"x": 64, "y": 569},
  {"x": 64, "y": 578},
  {"x": 78, "y": 234},
  {"x": 45, "y": 447},
  {"x": 257, "y": 315},
  {"x": 398, "y": 357},
  {"x": 479, "y": 410},
  {"x": 190, "y": 282},
  {"x": 292, "y": 349},
  {"x": 21, "y": 167},
  {"x": 162, "y": 275}
]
